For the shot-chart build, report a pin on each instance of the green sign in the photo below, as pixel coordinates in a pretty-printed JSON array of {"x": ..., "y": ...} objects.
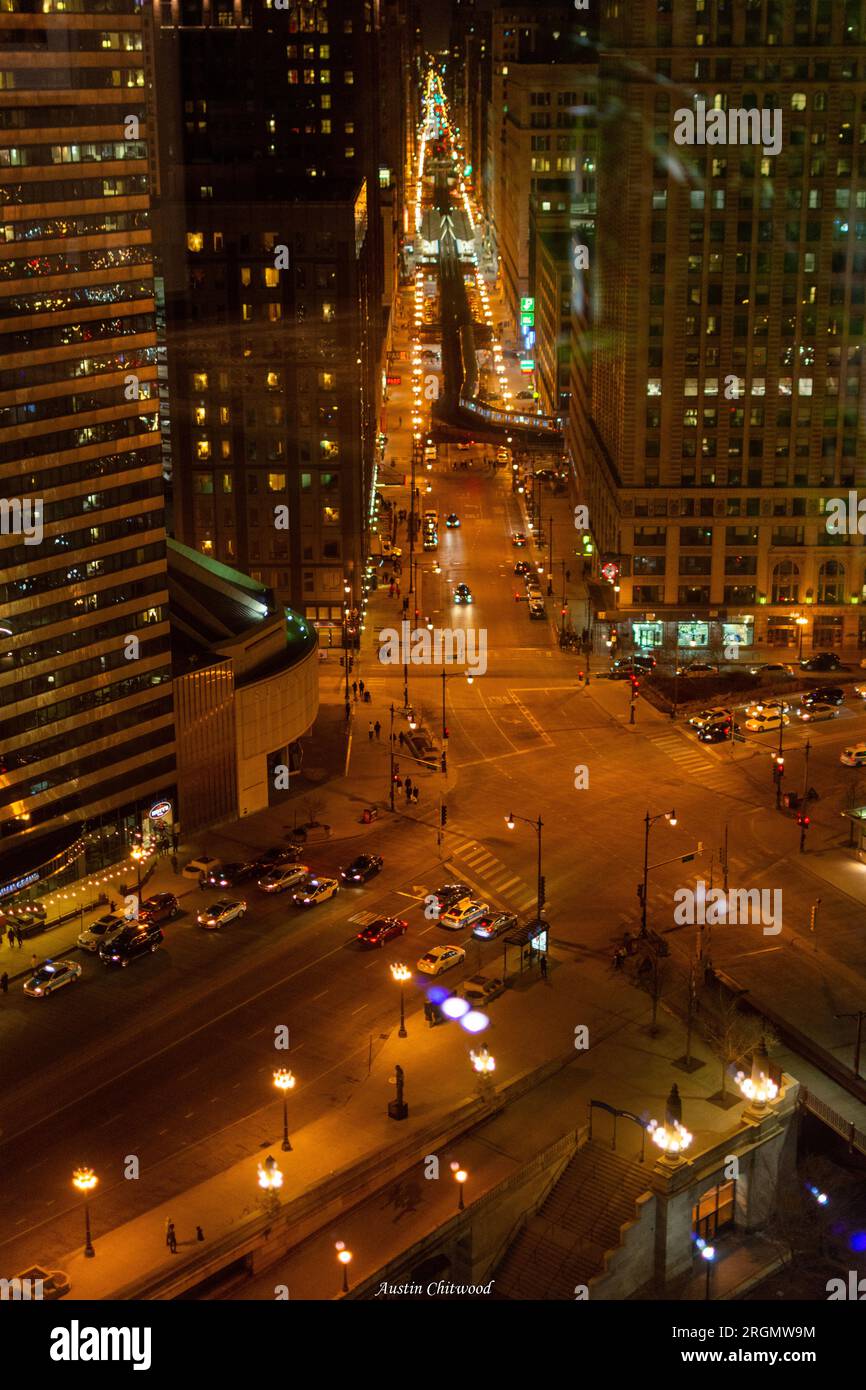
[{"x": 527, "y": 306}]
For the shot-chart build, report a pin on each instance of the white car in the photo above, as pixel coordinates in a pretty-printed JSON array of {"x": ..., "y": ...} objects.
[
  {"x": 709, "y": 716},
  {"x": 219, "y": 913},
  {"x": 198, "y": 868},
  {"x": 463, "y": 914},
  {"x": 283, "y": 877},
  {"x": 855, "y": 756},
  {"x": 764, "y": 723},
  {"x": 811, "y": 713},
  {"x": 761, "y": 707},
  {"x": 441, "y": 958},
  {"x": 54, "y": 974},
  {"x": 93, "y": 936}
]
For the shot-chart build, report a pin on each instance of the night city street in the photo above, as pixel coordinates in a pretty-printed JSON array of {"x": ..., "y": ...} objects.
[{"x": 434, "y": 686}]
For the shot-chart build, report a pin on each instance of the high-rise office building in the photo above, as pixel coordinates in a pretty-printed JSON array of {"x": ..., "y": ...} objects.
[
  {"x": 271, "y": 245},
  {"x": 86, "y": 732},
  {"x": 727, "y": 392}
]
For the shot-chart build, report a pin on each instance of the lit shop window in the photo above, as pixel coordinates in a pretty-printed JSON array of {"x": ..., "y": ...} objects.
[
  {"x": 271, "y": 277},
  {"x": 200, "y": 415},
  {"x": 199, "y": 381},
  {"x": 276, "y": 482},
  {"x": 202, "y": 449},
  {"x": 195, "y": 241},
  {"x": 330, "y": 515}
]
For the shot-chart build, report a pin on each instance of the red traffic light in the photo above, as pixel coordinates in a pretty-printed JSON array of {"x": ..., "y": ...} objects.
[
  {"x": 804, "y": 821},
  {"x": 780, "y": 761}
]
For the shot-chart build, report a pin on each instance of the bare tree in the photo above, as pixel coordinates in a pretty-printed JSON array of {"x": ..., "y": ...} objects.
[{"x": 733, "y": 1032}]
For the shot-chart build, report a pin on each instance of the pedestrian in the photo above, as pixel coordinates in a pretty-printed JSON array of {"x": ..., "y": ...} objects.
[
  {"x": 398, "y": 783},
  {"x": 199, "y": 1233},
  {"x": 398, "y": 590},
  {"x": 10, "y": 936},
  {"x": 402, "y": 738},
  {"x": 378, "y": 728},
  {"x": 354, "y": 690},
  {"x": 112, "y": 906},
  {"x": 370, "y": 730},
  {"x": 19, "y": 937},
  {"x": 415, "y": 795},
  {"x": 4, "y": 982},
  {"x": 391, "y": 589},
  {"x": 361, "y": 686},
  {"x": 543, "y": 965},
  {"x": 171, "y": 1238},
  {"x": 408, "y": 787}
]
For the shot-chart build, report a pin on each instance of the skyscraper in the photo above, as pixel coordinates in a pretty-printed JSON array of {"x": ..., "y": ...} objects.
[
  {"x": 271, "y": 246},
  {"x": 727, "y": 395},
  {"x": 86, "y": 734}
]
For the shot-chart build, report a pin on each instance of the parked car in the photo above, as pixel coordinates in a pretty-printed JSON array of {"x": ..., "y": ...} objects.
[
  {"x": 279, "y": 879},
  {"x": 698, "y": 668},
  {"x": 54, "y": 974},
  {"x": 201, "y": 867},
  {"x": 481, "y": 989},
  {"x": 627, "y": 666},
  {"x": 133, "y": 941},
  {"x": 822, "y": 661},
  {"x": 219, "y": 914},
  {"x": 362, "y": 868},
  {"x": 463, "y": 914},
  {"x": 231, "y": 874},
  {"x": 383, "y": 929},
  {"x": 92, "y": 937},
  {"x": 162, "y": 907},
  {"x": 772, "y": 668},
  {"x": 313, "y": 890},
  {"x": 494, "y": 924},
  {"x": 441, "y": 958},
  {"x": 855, "y": 756}
]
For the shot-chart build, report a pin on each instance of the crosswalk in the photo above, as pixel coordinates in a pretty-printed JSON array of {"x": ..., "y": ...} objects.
[
  {"x": 691, "y": 758},
  {"x": 499, "y": 880}
]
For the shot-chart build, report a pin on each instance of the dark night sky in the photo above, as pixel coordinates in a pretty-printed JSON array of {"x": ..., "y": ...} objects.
[{"x": 436, "y": 15}]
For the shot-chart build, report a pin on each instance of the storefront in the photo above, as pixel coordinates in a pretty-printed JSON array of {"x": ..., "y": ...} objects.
[
  {"x": 694, "y": 634},
  {"x": 827, "y": 631}
]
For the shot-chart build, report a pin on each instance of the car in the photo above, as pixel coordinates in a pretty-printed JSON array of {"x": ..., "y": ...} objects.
[
  {"x": 763, "y": 723},
  {"x": 480, "y": 989},
  {"x": 441, "y": 958},
  {"x": 522, "y": 567},
  {"x": 219, "y": 914},
  {"x": 644, "y": 662},
  {"x": 452, "y": 520},
  {"x": 811, "y": 713},
  {"x": 518, "y": 540},
  {"x": 822, "y": 661},
  {"x": 524, "y": 396},
  {"x": 463, "y": 914},
  {"x": 54, "y": 974},
  {"x": 382, "y": 929},
  {"x": 828, "y": 695},
  {"x": 92, "y": 936},
  {"x": 494, "y": 924},
  {"x": 313, "y": 890},
  {"x": 698, "y": 668},
  {"x": 162, "y": 907},
  {"x": 278, "y": 879},
  {"x": 462, "y": 594},
  {"x": 717, "y": 714},
  {"x": 537, "y": 608},
  {"x": 231, "y": 874},
  {"x": 766, "y": 707},
  {"x": 625, "y": 667},
  {"x": 362, "y": 868},
  {"x": 276, "y": 856},
  {"x": 201, "y": 867},
  {"x": 715, "y": 733},
  {"x": 860, "y": 690},
  {"x": 449, "y": 894},
  {"x": 772, "y": 668},
  {"x": 855, "y": 756},
  {"x": 133, "y": 941}
]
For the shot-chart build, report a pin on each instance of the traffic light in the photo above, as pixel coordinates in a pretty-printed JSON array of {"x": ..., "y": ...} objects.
[
  {"x": 780, "y": 764},
  {"x": 635, "y": 683},
  {"x": 805, "y": 821},
  {"x": 443, "y": 816}
]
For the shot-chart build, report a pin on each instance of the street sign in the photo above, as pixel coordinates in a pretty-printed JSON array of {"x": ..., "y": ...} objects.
[{"x": 393, "y": 381}]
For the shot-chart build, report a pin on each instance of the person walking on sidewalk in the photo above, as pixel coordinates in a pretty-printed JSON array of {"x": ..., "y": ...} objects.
[
  {"x": 19, "y": 937},
  {"x": 171, "y": 1238},
  {"x": 378, "y": 729},
  {"x": 402, "y": 738},
  {"x": 543, "y": 965},
  {"x": 370, "y": 731},
  {"x": 10, "y": 937},
  {"x": 415, "y": 794},
  {"x": 361, "y": 688},
  {"x": 199, "y": 1233},
  {"x": 408, "y": 785},
  {"x": 4, "y": 982},
  {"x": 354, "y": 690}
]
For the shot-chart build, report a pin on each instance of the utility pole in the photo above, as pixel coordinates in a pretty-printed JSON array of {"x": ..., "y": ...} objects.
[
  {"x": 725, "y": 860},
  {"x": 391, "y": 747},
  {"x": 813, "y": 920}
]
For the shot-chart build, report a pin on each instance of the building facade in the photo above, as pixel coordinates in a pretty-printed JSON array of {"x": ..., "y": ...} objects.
[
  {"x": 85, "y": 679},
  {"x": 727, "y": 395}
]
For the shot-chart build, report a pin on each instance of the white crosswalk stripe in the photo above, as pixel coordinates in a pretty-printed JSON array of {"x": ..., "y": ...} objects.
[{"x": 503, "y": 887}]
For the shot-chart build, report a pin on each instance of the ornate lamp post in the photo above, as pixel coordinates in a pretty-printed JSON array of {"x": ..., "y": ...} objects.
[
  {"x": 285, "y": 1082},
  {"x": 401, "y": 974},
  {"x": 345, "y": 1257},
  {"x": 84, "y": 1180}
]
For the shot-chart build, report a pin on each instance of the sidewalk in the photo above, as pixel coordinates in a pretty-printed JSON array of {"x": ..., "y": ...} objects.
[{"x": 629, "y": 1068}]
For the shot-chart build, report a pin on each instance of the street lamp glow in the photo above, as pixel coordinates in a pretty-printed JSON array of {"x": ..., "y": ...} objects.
[
  {"x": 270, "y": 1176},
  {"x": 401, "y": 974},
  {"x": 482, "y": 1062},
  {"x": 671, "y": 1139},
  {"x": 509, "y": 820},
  {"x": 284, "y": 1080},
  {"x": 84, "y": 1179}
]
